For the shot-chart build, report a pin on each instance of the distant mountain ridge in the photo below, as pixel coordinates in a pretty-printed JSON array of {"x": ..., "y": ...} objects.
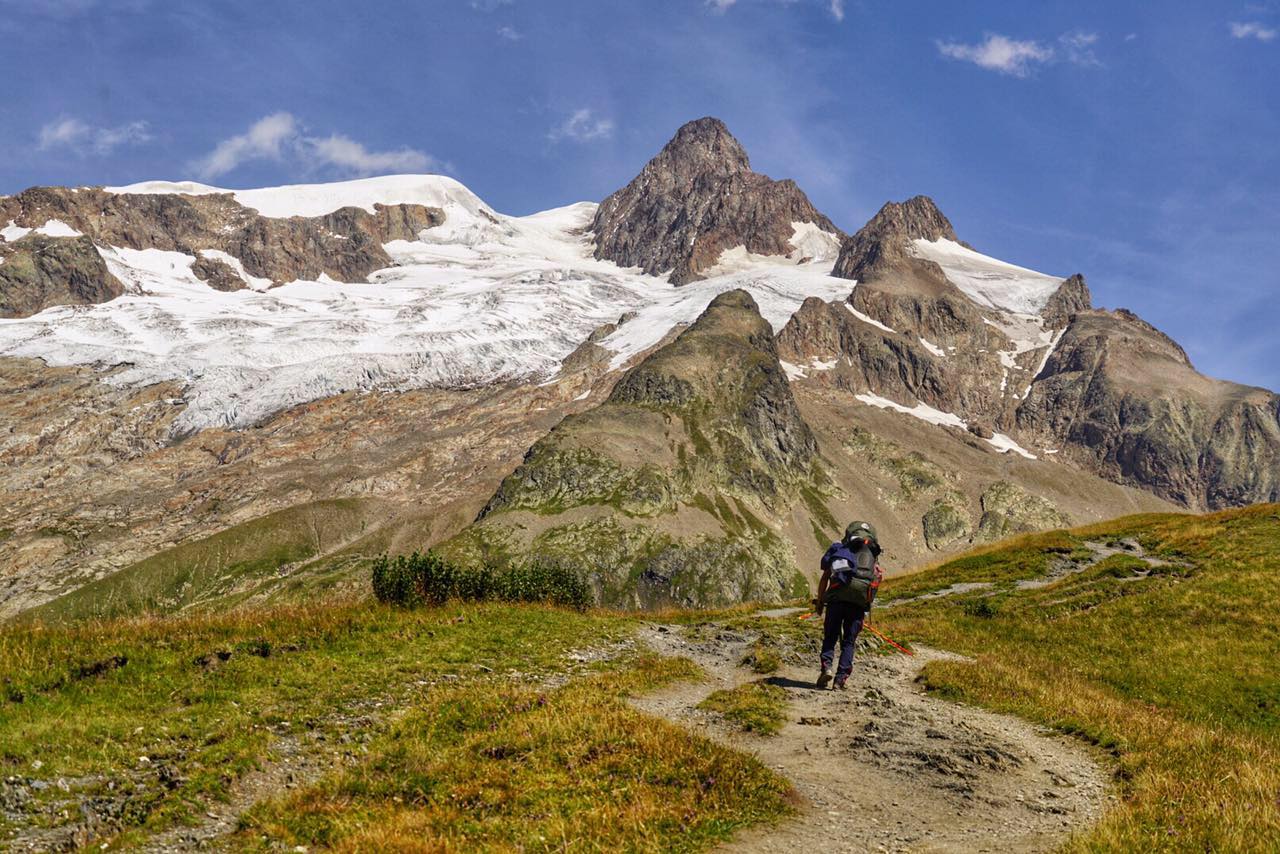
[{"x": 954, "y": 397}]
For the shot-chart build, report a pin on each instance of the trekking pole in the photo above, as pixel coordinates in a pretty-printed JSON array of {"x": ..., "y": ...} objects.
[{"x": 886, "y": 638}]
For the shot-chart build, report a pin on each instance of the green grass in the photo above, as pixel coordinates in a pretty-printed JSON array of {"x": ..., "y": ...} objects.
[
  {"x": 763, "y": 658},
  {"x": 176, "y": 701},
  {"x": 530, "y": 770},
  {"x": 433, "y": 723},
  {"x": 754, "y": 707},
  {"x": 1175, "y": 674},
  {"x": 214, "y": 571}
]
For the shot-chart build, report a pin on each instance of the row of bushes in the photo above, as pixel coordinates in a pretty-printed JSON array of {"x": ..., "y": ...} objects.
[{"x": 428, "y": 579}]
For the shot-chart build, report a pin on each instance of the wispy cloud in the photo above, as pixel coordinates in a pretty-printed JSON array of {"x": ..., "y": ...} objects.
[
  {"x": 1018, "y": 58},
  {"x": 510, "y": 34},
  {"x": 1078, "y": 47},
  {"x": 347, "y": 155},
  {"x": 835, "y": 7},
  {"x": 582, "y": 126},
  {"x": 264, "y": 140},
  {"x": 1000, "y": 53},
  {"x": 72, "y": 134},
  {"x": 279, "y": 137},
  {"x": 70, "y": 8},
  {"x": 1252, "y": 30}
]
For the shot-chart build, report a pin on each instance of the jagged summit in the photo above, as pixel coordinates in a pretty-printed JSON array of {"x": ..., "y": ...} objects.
[
  {"x": 697, "y": 198},
  {"x": 703, "y": 145},
  {"x": 887, "y": 236}
]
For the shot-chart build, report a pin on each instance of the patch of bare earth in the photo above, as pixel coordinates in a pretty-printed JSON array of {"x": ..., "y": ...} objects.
[{"x": 882, "y": 766}]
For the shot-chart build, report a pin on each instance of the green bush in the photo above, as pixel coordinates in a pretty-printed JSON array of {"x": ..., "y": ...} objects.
[{"x": 429, "y": 579}]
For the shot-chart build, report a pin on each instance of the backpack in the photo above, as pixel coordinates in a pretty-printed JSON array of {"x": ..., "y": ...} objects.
[{"x": 855, "y": 574}]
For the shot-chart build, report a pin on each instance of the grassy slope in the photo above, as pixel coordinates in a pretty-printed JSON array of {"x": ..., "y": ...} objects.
[
  {"x": 478, "y": 758},
  {"x": 218, "y": 570},
  {"x": 1176, "y": 674}
]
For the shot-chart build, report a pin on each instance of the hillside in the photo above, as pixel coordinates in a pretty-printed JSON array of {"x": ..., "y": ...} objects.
[
  {"x": 1147, "y": 641},
  {"x": 656, "y": 494},
  {"x": 1151, "y": 637}
]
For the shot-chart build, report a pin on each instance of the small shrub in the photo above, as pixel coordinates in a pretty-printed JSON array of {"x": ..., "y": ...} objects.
[
  {"x": 429, "y": 579},
  {"x": 981, "y": 607}
]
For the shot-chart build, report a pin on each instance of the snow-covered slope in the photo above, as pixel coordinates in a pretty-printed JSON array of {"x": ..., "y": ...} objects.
[
  {"x": 988, "y": 281},
  {"x": 482, "y": 298}
]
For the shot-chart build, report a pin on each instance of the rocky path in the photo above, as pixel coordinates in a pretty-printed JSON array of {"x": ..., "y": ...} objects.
[
  {"x": 1060, "y": 569},
  {"x": 884, "y": 767}
]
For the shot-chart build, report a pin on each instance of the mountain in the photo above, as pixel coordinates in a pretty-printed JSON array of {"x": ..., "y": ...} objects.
[
  {"x": 216, "y": 396},
  {"x": 657, "y": 493},
  {"x": 1022, "y": 359},
  {"x": 698, "y": 200}
]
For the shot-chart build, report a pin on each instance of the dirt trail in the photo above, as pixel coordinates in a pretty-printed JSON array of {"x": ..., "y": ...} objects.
[{"x": 884, "y": 767}]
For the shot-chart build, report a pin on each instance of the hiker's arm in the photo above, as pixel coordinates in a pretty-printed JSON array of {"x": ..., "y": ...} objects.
[{"x": 822, "y": 589}]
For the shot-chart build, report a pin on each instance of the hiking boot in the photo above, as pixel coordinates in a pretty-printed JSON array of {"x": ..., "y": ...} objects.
[
  {"x": 824, "y": 678},
  {"x": 840, "y": 683}
]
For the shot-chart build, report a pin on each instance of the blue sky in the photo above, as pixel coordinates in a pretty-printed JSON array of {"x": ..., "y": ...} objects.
[{"x": 1133, "y": 142}]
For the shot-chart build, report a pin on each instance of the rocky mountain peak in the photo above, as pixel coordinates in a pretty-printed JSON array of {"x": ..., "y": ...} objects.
[
  {"x": 883, "y": 241},
  {"x": 702, "y": 146},
  {"x": 1072, "y": 296},
  {"x": 918, "y": 218},
  {"x": 697, "y": 198}
]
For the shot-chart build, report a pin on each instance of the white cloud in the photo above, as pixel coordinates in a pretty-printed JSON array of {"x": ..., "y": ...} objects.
[
  {"x": 71, "y": 133},
  {"x": 1252, "y": 30},
  {"x": 582, "y": 126},
  {"x": 1078, "y": 46},
  {"x": 1000, "y": 53},
  {"x": 835, "y": 7},
  {"x": 511, "y": 34},
  {"x": 350, "y": 156},
  {"x": 280, "y": 137},
  {"x": 265, "y": 140}
]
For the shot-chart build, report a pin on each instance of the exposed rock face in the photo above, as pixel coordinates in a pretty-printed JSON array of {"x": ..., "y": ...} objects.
[
  {"x": 1008, "y": 509},
  {"x": 695, "y": 199},
  {"x": 39, "y": 272},
  {"x": 1073, "y": 297},
  {"x": 881, "y": 245},
  {"x": 345, "y": 244},
  {"x": 1123, "y": 398},
  {"x": 655, "y": 493},
  {"x": 218, "y": 274}
]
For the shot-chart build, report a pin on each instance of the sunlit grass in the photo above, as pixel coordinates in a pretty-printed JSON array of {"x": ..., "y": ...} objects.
[
  {"x": 754, "y": 707},
  {"x": 575, "y": 769},
  {"x": 1176, "y": 674}
]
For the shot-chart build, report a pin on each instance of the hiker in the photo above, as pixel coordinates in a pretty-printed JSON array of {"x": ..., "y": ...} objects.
[{"x": 850, "y": 577}]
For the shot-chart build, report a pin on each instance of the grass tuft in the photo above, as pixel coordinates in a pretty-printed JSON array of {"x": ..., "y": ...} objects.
[{"x": 754, "y": 707}]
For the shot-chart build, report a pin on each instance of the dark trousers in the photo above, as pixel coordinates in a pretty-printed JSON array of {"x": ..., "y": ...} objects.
[{"x": 842, "y": 624}]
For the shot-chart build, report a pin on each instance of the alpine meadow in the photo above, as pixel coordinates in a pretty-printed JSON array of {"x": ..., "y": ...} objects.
[{"x": 365, "y": 489}]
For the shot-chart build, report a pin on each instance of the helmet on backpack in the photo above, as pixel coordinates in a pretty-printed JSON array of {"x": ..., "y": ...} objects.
[{"x": 859, "y": 531}]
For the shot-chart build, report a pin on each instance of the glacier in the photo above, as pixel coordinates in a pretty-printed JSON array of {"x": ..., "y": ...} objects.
[{"x": 483, "y": 298}]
